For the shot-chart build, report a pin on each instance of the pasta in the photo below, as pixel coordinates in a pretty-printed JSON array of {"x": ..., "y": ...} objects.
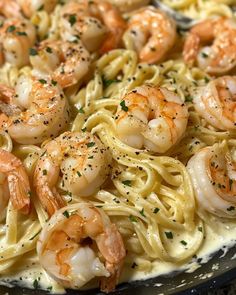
[
  {"x": 200, "y": 9},
  {"x": 150, "y": 197}
]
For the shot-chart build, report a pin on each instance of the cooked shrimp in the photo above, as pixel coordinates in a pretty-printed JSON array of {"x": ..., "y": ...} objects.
[
  {"x": 151, "y": 33},
  {"x": 16, "y": 38},
  {"x": 128, "y": 5},
  {"x": 7, "y": 107},
  {"x": 14, "y": 183},
  {"x": 66, "y": 62},
  {"x": 10, "y": 8},
  {"x": 155, "y": 118},
  {"x": 218, "y": 58},
  {"x": 80, "y": 243},
  {"x": 216, "y": 103},
  {"x": 83, "y": 161},
  {"x": 38, "y": 110},
  {"x": 97, "y": 23},
  {"x": 29, "y": 7},
  {"x": 213, "y": 174}
]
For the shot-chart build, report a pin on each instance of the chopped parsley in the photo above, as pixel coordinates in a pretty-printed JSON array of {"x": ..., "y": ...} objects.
[
  {"x": 132, "y": 218},
  {"x": 42, "y": 81},
  {"x": 36, "y": 284},
  {"x": 156, "y": 210},
  {"x": 90, "y": 144},
  {"x": 169, "y": 235},
  {"x": 33, "y": 52},
  {"x": 21, "y": 33},
  {"x": 204, "y": 55},
  {"x": 66, "y": 214},
  {"x": 49, "y": 49},
  {"x": 11, "y": 29},
  {"x": 123, "y": 106},
  {"x": 72, "y": 19},
  {"x": 127, "y": 182},
  {"x": 81, "y": 110},
  {"x": 188, "y": 98},
  {"x": 45, "y": 172},
  {"x": 108, "y": 82},
  {"x": 54, "y": 83},
  {"x": 79, "y": 174},
  {"x": 183, "y": 243},
  {"x": 84, "y": 129},
  {"x": 142, "y": 213},
  {"x": 200, "y": 229}
]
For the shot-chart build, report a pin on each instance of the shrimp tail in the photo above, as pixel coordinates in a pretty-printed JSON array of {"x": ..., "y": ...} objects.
[
  {"x": 6, "y": 93},
  {"x": 18, "y": 182},
  {"x": 108, "y": 284},
  {"x": 19, "y": 189},
  {"x": 114, "y": 257},
  {"x": 191, "y": 48},
  {"x": 110, "y": 43},
  {"x": 51, "y": 200}
]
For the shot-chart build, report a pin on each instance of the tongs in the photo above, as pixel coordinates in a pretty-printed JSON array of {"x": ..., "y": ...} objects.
[{"x": 183, "y": 22}]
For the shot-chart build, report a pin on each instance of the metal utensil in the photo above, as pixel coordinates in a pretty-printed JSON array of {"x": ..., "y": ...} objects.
[{"x": 183, "y": 22}]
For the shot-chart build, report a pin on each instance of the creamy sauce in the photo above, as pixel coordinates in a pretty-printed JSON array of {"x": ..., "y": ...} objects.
[{"x": 222, "y": 236}]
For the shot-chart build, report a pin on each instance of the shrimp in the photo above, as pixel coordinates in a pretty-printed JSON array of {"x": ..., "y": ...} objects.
[
  {"x": 218, "y": 58},
  {"x": 16, "y": 38},
  {"x": 152, "y": 117},
  {"x": 97, "y": 23},
  {"x": 14, "y": 183},
  {"x": 38, "y": 110},
  {"x": 29, "y": 7},
  {"x": 151, "y": 33},
  {"x": 216, "y": 102},
  {"x": 80, "y": 243},
  {"x": 83, "y": 161},
  {"x": 66, "y": 62},
  {"x": 10, "y": 8},
  {"x": 128, "y": 5},
  {"x": 213, "y": 174}
]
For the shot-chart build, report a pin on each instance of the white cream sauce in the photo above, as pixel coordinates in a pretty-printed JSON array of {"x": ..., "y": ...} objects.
[{"x": 222, "y": 236}]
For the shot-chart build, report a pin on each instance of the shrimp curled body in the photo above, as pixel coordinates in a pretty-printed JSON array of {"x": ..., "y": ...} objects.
[
  {"x": 40, "y": 110},
  {"x": 16, "y": 38},
  {"x": 14, "y": 183},
  {"x": 151, "y": 33},
  {"x": 83, "y": 161},
  {"x": 66, "y": 62},
  {"x": 10, "y": 8},
  {"x": 213, "y": 174},
  {"x": 29, "y": 7},
  {"x": 218, "y": 58},
  {"x": 216, "y": 103},
  {"x": 155, "y": 118},
  {"x": 98, "y": 24},
  {"x": 69, "y": 243}
]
